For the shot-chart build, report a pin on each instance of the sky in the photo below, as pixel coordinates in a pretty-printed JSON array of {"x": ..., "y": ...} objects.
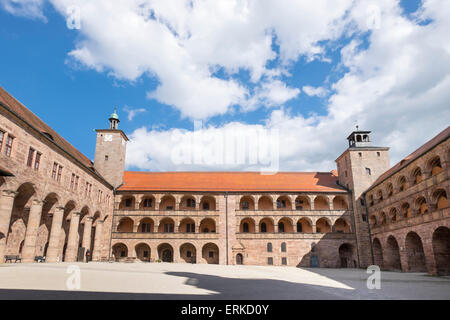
[{"x": 286, "y": 79}]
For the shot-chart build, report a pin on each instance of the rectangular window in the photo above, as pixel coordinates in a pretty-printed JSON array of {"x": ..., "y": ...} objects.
[
  {"x": 59, "y": 173},
  {"x": 55, "y": 169},
  {"x": 77, "y": 178},
  {"x": 30, "y": 157},
  {"x": 9, "y": 144},
  {"x": 270, "y": 261},
  {"x": 284, "y": 261},
  {"x": 2, "y": 136},
  {"x": 72, "y": 181},
  {"x": 37, "y": 161},
  {"x": 211, "y": 254}
]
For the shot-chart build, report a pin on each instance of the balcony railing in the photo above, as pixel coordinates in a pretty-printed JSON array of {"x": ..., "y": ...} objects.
[
  {"x": 169, "y": 235},
  {"x": 296, "y": 235},
  {"x": 155, "y": 213}
]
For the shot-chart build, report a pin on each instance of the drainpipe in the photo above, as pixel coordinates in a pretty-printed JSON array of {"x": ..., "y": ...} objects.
[
  {"x": 226, "y": 224},
  {"x": 370, "y": 232},
  {"x": 112, "y": 224}
]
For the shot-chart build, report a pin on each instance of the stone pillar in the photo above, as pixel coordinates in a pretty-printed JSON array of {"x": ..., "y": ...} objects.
[
  {"x": 314, "y": 228},
  {"x": 176, "y": 254},
  {"x": 72, "y": 242},
  {"x": 6, "y": 206},
  {"x": 198, "y": 255},
  {"x": 96, "y": 255},
  {"x": 53, "y": 244},
  {"x": 87, "y": 232},
  {"x": 34, "y": 220}
]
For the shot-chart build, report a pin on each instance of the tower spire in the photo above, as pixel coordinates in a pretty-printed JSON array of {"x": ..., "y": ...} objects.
[{"x": 114, "y": 120}]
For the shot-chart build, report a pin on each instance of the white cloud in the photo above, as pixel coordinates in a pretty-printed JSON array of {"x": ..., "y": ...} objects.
[
  {"x": 318, "y": 92},
  {"x": 133, "y": 112},
  {"x": 26, "y": 8}
]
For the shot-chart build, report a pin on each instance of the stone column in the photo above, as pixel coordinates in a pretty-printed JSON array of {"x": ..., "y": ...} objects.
[
  {"x": 87, "y": 232},
  {"x": 53, "y": 244},
  {"x": 176, "y": 253},
  {"x": 72, "y": 242},
  {"x": 6, "y": 206},
  {"x": 96, "y": 255},
  {"x": 34, "y": 220}
]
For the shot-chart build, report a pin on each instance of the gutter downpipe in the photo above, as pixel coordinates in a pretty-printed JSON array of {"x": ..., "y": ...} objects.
[
  {"x": 370, "y": 232},
  {"x": 226, "y": 224}
]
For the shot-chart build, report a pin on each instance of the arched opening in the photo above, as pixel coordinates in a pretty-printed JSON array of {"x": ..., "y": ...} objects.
[
  {"x": 435, "y": 166},
  {"x": 285, "y": 225},
  {"x": 143, "y": 252},
  {"x": 167, "y": 203},
  {"x": 390, "y": 190},
  {"x": 402, "y": 186},
  {"x": 323, "y": 225},
  {"x": 188, "y": 253},
  {"x": 441, "y": 250},
  {"x": 125, "y": 225},
  {"x": 188, "y": 203},
  {"x": 406, "y": 210},
  {"x": 64, "y": 233},
  {"x": 239, "y": 259},
  {"x": 421, "y": 205},
  {"x": 247, "y": 226},
  {"x": 127, "y": 203},
  {"x": 269, "y": 247},
  {"x": 210, "y": 253},
  {"x": 302, "y": 203},
  {"x": 166, "y": 225},
  {"x": 187, "y": 226},
  {"x": 247, "y": 203},
  {"x": 266, "y": 225},
  {"x": 321, "y": 203},
  {"x": 342, "y": 226},
  {"x": 147, "y": 203},
  {"x": 339, "y": 203},
  {"x": 380, "y": 195},
  {"x": 440, "y": 198},
  {"x": 284, "y": 203},
  {"x": 208, "y": 203},
  {"x": 120, "y": 251},
  {"x": 414, "y": 253},
  {"x": 393, "y": 215},
  {"x": 346, "y": 256},
  {"x": 283, "y": 247},
  {"x": 45, "y": 225},
  {"x": 146, "y": 225},
  {"x": 265, "y": 203},
  {"x": 165, "y": 253},
  {"x": 417, "y": 176},
  {"x": 378, "y": 253},
  {"x": 208, "y": 225},
  {"x": 304, "y": 225},
  {"x": 392, "y": 255},
  {"x": 373, "y": 220}
]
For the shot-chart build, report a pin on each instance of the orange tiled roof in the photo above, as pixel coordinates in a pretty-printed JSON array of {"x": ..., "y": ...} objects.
[
  {"x": 413, "y": 156},
  {"x": 40, "y": 125},
  {"x": 231, "y": 181}
]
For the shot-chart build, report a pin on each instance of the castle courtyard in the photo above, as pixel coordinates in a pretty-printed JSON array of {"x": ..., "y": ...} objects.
[{"x": 164, "y": 281}]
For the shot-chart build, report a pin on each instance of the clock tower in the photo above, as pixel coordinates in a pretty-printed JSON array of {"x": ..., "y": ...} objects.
[{"x": 110, "y": 152}]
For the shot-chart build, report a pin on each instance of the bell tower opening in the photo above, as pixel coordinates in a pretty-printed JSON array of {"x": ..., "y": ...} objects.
[{"x": 359, "y": 139}]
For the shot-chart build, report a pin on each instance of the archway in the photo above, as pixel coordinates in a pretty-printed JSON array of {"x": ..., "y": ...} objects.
[
  {"x": 208, "y": 203},
  {"x": 304, "y": 225},
  {"x": 188, "y": 253},
  {"x": 302, "y": 203},
  {"x": 392, "y": 255},
  {"x": 342, "y": 226},
  {"x": 143, "y": 252},
  {"x": 441, "y": 250},
  {"x": 167, "y": 225},
  {"x": 265, "y": 203},
  {"x": 146, "y": 226},
  {"x": 339, "y": 203},
  {"x": 120, "y": 251},
  {"x": 165, "y": 252},
  {"x": 207, "y": 225},
  {"x": 378, "y": 253},
  {"x": 167, "y": 203},
  {"x": 346, "y": 256},
  {"x": 187, "y": 225},
  {"x": 125, "y": 225},
  {"x": 247, "y": 203},
  {"x": 285, "y": 225},
  {"x": 323, "y": 225},
  {"x": 247, "y": 226},
  {"x": 266, "y": 225},
  {"x": 239, "y": 259},
  {"x": 321, "y": 203},
  {"x": 210, "y": 253},
  {"x": 415, "y": 253}
]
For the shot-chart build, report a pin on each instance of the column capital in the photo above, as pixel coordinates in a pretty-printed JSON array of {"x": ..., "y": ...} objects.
[
  {"x": 100, "y": 221},
  {"x": 60, "y": 208},
  {"x": 90, "y": 219},
  {"x": 9, "y": 193},
  {"x": 76, "y": 214},
  {"x": 38, "y": 202}
]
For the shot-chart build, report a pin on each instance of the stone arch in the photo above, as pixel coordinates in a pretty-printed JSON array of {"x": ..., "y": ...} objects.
[
  {"x": 266, "y": 225},
  {"x": 380, "y": 195},
  {"x": 373, "y": 220},
  {"x": 120, "y": 251},
  {"x": 147, "y": 202},
  {"x": 247, "y": 225},
  {"x": 416, "y": 175},
  {"x": 339, "y": 203},
  {"x": 188, "y": 253},
  {"x": 392, "y": 255},
  {"x": 389, "y": 190},
  {"x": 69, "y": 208},
  {"x": 247, "y": 203},
  {"x": 239, "y": 259},
  {"x": 383, "y": 219},
  {"x": 347, "y": 256},
  {"x": 378, "y": 253},
  {"x": 321, "y": 203},
  {"x": 208, "y": 225},
  {"x": 208, "y": 203},
  {"x": 128, "y": 202},
  {"x": 405, "y": 210},
  {"x": 415, "y": 253},
  {"x": 402, "y": 183},
  {"x": 439, "y": 198},
  {"x": 265, "y": 203},
  {"x": 143, "y": 252},
  {"x": 393, "y": 216},
  {"x": 165, "y": 252},
  {"x": 323, "y": 225},
  {"x": 51, "y": 202},
  {"x": 435, "y": 166},
  {"x": 166, "y": 225},
  {"x": 188, "y": 202},
  {"x": 302, "y": 203},
  {"x": 304, "y": 225},
  {"x": 126, "y": 224},
  {"x": 342, "y": 226},
  {"x": 421, "y": 205},
  {"x": 285, "y": 224},
  {"x": 441, "y": 250},
  {"x": 187, "y": 225},
  {"x": 167, "y": 203},
  {"x": 210, "y": 253},
  {"x": 284, "y": 203},
  {"x": 146, "y": 225}
]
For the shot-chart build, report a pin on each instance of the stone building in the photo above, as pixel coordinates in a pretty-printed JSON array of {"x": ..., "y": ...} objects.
[{"x": 57, "y": 203}]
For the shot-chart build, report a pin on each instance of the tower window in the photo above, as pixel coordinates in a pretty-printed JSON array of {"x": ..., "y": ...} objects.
[
  {"x": 106, "y": 158},
  {"x": 269, "y": 247},
  {"x": 368, "y": 171},
  {"x": 378, "y": 154},
  {"x": 360, "y": 154}
]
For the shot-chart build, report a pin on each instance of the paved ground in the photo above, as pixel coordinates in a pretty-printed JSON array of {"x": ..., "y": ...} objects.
[{"x": 191, "y": 282}]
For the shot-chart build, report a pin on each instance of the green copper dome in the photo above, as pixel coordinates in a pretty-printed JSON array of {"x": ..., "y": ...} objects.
[{"x": 114, "y": 115}]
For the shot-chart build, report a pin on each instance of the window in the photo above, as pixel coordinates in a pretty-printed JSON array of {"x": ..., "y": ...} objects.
[
  {"x": 299, "y": 227},
  {"x": 189, "y": 254},
  {"x": 211, "y": 254},
  {"x": 148, "y": 203},
  {"x": 263, "y": 227},
  {"x": 75, "y": 187},
  {"x": 378, "y": 154},
  {"x": 106, "y": 158},
  {"x": 146, "y": 227},
  {"x": 2, "y": 136},
  {"x": 55, "y": 169},
  {"x": 360, "y": 154},
  {"x": 37, "y": 161},
  {"x": 8, "y": 147},
  {"x": 128, "y": 203},
  {"x": 190, "y": 203},
  {"x": 281, "y": 227},
  {"x": 246, "y": 227},
  {"x": 269, "y": 247},
  {"x": 270, "y": 261},
  {"x": 368, "y": 171},
  {"x": 190, "y": 228},
  {"x": 284, "y": 261},
  {"x": 59, "y": 173},
  {"x": 168, "y": 227},
  {"x": 283, "y": 247},
  {"x": 30, "y": 157},
  {"x": 245, "y": 205},
  {"x": 364, "y": 218},
  {"x": 206, "y": 206},
  {"x": 281, "y": 204},
  {"x": 72, "y": 181}
]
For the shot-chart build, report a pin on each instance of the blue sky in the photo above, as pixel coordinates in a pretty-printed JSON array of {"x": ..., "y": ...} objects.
[{"x": 75, "y": 98}]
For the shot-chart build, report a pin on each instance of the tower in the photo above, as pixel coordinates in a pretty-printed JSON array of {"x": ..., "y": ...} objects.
[
  {"x": 358, "y": 168},
  {"x": 110, "y": 152}
]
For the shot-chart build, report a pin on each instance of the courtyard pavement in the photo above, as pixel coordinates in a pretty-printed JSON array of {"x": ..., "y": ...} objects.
[{"x": 117, "y": 281}]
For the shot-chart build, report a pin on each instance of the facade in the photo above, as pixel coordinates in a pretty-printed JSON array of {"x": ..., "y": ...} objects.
[{"x": 57, "y": 203}]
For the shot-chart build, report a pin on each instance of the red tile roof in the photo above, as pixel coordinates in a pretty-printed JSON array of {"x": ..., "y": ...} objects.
[
  {"x": 444, "y": 135},
  {"x": 231, "y": 181}
]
